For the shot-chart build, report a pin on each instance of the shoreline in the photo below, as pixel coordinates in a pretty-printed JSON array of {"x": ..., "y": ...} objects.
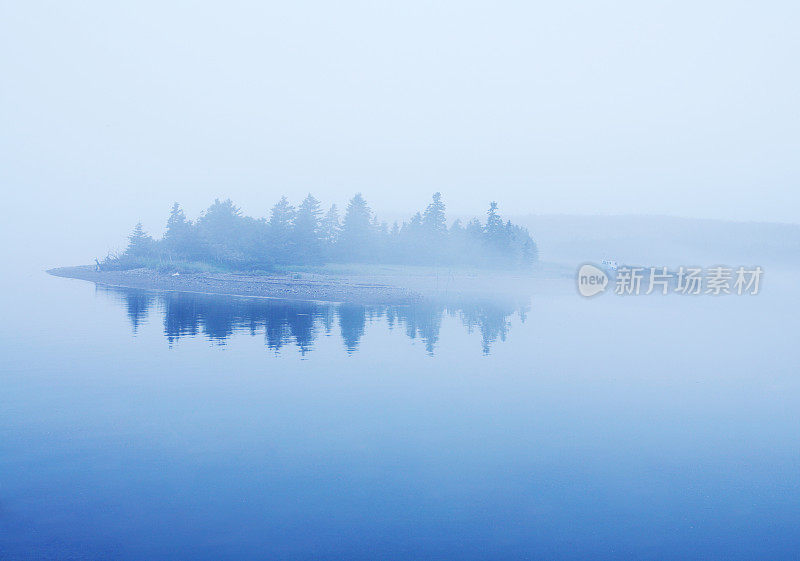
[
  {"x": 355, "y": 285},
  {"x": 271, "y": 286}
]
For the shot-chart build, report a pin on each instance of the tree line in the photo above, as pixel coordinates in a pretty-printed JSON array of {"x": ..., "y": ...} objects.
[{"x": 222, "y": 236}]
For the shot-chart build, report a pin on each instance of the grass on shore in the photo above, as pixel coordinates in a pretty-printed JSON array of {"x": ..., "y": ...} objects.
[{"x": 162, "y": 265}]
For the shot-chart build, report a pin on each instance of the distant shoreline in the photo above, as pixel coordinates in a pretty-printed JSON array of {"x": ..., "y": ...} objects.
[{"x": 362, "y": 285}]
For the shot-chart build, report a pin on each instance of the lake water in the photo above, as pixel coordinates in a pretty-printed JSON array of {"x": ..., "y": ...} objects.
[{"x": 148, "y": 426}]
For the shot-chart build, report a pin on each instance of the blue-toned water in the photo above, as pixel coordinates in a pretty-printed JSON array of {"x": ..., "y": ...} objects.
[{"x": 136, "y": 425}]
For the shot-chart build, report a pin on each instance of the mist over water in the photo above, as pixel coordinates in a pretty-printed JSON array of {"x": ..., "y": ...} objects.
[{"x": 145, "y": 425}]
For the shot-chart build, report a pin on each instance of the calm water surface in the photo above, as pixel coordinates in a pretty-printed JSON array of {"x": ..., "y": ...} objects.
[{"x": 154, "y": 426}]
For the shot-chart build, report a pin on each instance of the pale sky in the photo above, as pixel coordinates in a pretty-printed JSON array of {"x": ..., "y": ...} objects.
[{"x": 110, "y": 111}]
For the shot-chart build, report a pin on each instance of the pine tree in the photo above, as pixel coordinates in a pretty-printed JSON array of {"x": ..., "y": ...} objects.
[
  {"x": 140, "y": 244},
  {"x": 530, "y": 252},
  {"x": 434, "y": 219},
  {"x": 497, "y": 237},
  {"x": 176, "y": 221},
  {"x": 331, "y": 228},
  {"x": 415, "y": 224},
  {"x": 282, "y": 215},
  {"x": 219, "y": 220},
  {"x": 474, "y": 229},
  {"x": 356, "y": 239},
  {"x": 220, "y": 231},
  {"x": 494, "y": 224},
  {"x": 178, "y": 238},
  {"x": 307, "y": 231},
  {"x": 280, "y": 227}
]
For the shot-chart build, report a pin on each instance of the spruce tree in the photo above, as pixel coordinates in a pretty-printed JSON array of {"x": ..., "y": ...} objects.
[
  {"x": 220, "y": 231},
  {"x": 140, "y": 244},
  {"x": 494, "y": 224},
  {"x": 434, "y": 219},
  {"x": 178, "y": 236},
  {"x": 356, "y": 239},
  {"x": 307, "y": 235},
  {"x": 331, "y": 228},
  {"x": 497, "y": 237},
  {"x": 280, "y": 226}
]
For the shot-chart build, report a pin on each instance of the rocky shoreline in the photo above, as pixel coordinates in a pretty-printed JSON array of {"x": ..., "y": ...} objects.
[
  {"x": 348, "y": 284},
  {"x": 287, "y": 287}
]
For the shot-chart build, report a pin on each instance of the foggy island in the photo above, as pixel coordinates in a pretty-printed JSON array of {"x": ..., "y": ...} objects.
[
  {"x": 444, "y": 281},
  {"x": 307, "y": 252}
]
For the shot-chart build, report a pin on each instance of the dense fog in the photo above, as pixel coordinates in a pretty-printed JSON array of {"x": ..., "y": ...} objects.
[{"x": 110, "y": 114}]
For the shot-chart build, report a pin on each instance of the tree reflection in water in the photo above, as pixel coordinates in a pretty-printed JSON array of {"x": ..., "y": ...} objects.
[{"x": 284, "y": 322}]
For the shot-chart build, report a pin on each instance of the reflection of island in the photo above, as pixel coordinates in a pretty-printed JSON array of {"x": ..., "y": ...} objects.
[{"x": 284, "y": 322}]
